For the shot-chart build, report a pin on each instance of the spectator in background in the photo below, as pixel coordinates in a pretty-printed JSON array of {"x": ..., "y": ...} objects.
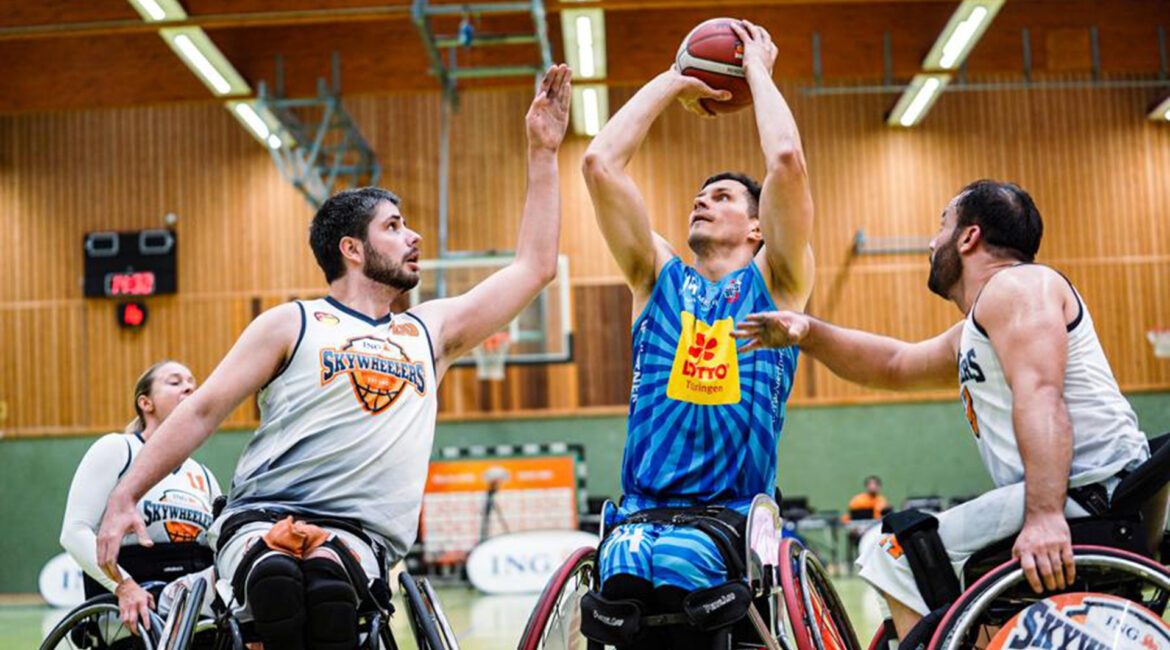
[{"x": 869, "y": 504}]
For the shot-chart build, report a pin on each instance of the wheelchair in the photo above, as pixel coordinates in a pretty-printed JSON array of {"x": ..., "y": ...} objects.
[
  {"x": 793, "y": 606},
  {"x": 1117, "y": 576},
  {"x": 96, "y": 624}
]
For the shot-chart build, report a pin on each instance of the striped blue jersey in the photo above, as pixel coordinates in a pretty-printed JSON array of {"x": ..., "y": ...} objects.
[{"x": 704, "y": 418}]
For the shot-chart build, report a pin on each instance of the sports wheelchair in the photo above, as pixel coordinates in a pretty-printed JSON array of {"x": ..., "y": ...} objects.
[
  {"x": 786, "y": 600},
  {"x": 1118, "y": 580},
  {"x": 96, "y": 624}
]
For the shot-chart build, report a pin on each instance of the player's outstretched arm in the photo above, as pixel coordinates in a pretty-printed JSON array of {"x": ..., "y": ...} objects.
[
  {"x": 255, "y": 358},
  {"x": 1024, "y": 315},
  {"x": 460, "y": 323},
  {"x": 786, "y": 206},
  {"x": 617, "y": 202},
  {"x": 861, "y": 357}
]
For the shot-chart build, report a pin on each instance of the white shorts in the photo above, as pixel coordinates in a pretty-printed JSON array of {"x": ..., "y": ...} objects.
[
  {"x": 965, "y": 529},
  {"x": 227, "y": 558}
]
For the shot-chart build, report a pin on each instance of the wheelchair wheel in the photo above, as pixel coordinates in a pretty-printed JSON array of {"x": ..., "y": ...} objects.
[
  {"x": 555, "y": 623},
  {"x": 431, "y": 631},
  {"x": 996, "y": 598},
  {"x": 884, "y": 636},
  {"x": 97, "y": 625},
  {"x": 818, "y": 618}
]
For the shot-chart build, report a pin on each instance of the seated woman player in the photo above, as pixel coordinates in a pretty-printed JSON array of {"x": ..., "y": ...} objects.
[{"x": 177, "y": 511}]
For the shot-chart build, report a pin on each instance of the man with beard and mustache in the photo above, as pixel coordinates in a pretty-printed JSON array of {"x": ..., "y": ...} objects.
[
  {"x": 705, "y": 419},
  {"x": 1037, "y": 392},
  {"x": 327, "y": 493}
]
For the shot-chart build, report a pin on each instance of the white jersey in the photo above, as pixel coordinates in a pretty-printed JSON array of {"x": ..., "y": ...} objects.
[
  {"x": 1106, "y": 438},
  {"x": 346, "y": 427},
  {"x": 176, "y": 509}
]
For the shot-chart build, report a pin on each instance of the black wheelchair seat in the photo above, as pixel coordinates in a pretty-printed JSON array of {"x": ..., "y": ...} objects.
[{"x": 1123, "y": 525}]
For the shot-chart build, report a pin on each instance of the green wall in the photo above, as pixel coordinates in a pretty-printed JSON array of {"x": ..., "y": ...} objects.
[{"x": 918, "y": 448}]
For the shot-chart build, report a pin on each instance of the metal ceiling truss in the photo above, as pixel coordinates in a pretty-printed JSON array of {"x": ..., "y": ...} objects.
[{"x": 324, "y": 152}]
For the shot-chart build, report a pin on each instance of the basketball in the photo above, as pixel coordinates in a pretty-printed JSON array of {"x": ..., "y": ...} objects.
[{"x": 713, "y": 54}]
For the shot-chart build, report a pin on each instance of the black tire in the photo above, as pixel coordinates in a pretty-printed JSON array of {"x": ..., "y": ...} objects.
[
  {"x": 97, "y": 625},
  {"x": 555, "y": 622},
  {"x": 1004, "y": 591},
  {"x": 423, "y": 618}
]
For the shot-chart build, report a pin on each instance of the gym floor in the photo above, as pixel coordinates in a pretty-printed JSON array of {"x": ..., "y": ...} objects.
[{"x": 480, "y": 622}]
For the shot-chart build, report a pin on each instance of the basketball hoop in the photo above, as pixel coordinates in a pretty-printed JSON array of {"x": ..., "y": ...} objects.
[
  {"x": 490, "y": 357},
  {"x": 1160, "y": 339}
]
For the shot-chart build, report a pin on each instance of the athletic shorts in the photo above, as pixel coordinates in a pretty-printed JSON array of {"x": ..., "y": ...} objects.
[
  {"x": 228, "y": 557},
  {"x": 965, "y": 529}
]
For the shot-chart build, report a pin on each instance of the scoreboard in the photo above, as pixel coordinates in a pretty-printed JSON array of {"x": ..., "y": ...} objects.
[{"x": 130, "y": 264}]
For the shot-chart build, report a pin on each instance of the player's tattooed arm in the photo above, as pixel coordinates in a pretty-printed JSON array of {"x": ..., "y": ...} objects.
[
  {"x": 617, "y": 202},
  {"x": 786, "y": 206},
  {"x": 861, "y": 357},
  {"x": 255, "y": 358},
  {"x": 1024, "y": 312},
  {"x": 460, "y": 323}
]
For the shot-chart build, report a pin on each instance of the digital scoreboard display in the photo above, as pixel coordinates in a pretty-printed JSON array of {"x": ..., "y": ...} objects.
[{"x": 130, "y": 264}]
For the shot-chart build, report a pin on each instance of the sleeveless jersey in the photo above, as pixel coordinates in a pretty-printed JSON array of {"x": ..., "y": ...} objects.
[
  {"x": 704, "y": 418},
  {"x": 346, "y": 427},
  {"x": 1106, "y": 437},
  {"x": 177, "y": 508}
]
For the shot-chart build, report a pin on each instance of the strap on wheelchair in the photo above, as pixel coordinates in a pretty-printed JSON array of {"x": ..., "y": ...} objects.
[
  {"x": 917, "y": 534},
  {"x": 368, "y": 595},
  {"x": 725, "y": 526}
]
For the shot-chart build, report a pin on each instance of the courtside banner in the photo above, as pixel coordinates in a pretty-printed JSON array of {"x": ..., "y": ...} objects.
[
  {"x": 470, "y": 475},
  {"x": 522, "y": 562}
]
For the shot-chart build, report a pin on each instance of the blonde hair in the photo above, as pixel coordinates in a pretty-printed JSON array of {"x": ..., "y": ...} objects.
[{"x": 142, "y": 387}]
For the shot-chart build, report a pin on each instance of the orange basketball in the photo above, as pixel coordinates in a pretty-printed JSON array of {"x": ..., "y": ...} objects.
[{"x": 713, "y": 54}]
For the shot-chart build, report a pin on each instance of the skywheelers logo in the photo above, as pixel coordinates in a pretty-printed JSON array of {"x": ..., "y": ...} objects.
[
  {"x": 1081, "y": 621},
  {"x": 379, "y": 371},
  {"x": 706, "y": 364}
]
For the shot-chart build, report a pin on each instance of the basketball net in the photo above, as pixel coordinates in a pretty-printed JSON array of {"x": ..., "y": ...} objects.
[
  {"x": 490, "y": 357},
  {"x": 1161, "y": 342}
]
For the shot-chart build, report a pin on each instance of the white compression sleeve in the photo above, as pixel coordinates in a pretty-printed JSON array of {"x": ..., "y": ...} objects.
[{"x": 95, "y": 478}]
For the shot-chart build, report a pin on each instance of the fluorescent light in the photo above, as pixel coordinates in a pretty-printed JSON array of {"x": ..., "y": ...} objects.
[
  {"x": 592, "y": 116},
  {"x": 192, "y": 55},
  {"x": 917, "y": 99},
  {"x": 583, "y": 33},
  {"x": 261, "y": 123},
  {"x": 962, "y": 36},
  {"x": 1161, "y": 111},
  {"x": 153, "y": 11},
  {"x": 204, "y": 58},
  {"x": 962, "y": 32},
  {"x": 252, "y": 120},
  {"x": 585, "y": 46}
]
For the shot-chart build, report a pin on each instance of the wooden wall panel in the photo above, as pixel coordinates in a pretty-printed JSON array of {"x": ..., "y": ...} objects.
[{"x": 1096, "y": 168}]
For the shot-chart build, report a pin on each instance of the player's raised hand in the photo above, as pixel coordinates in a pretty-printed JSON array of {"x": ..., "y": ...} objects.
[
  {"x": 548, "y": 117},
  {"x": 758, "y": 49},
  {"x": 771, "y": 329},
  {"x": 121, "y": 518},
  {"x": 691, "y": 91}
]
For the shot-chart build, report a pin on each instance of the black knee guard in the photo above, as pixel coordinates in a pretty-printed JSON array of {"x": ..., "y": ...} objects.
[
  {"x": 614, "y": 617},
  {"x": 917, "y": 533},
  {"x": 685, "y": 636},
  {"x": 275, "y": 592},
  {"x": 330, "y": 605}
]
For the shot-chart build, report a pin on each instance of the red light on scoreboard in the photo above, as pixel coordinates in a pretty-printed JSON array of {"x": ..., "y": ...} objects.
[
  {"x": 131, "y": 314},
  {"x": 134, "y": 283}
]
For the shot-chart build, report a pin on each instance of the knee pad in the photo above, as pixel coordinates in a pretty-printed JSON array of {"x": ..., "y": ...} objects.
[
  {"x": 330, "y": 606},
  {"x": 275, "y": 592},
  {"x": 917, "y": 533}
]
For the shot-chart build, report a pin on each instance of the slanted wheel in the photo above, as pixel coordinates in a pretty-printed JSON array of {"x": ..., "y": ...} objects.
[
  {"x": 427, "y": 621},
  {"x": 555, "y": 622},
  {"x": 97, "y": 625},
  {"x": 818, "y": 618},
  {"x": 988, "y": 612}
]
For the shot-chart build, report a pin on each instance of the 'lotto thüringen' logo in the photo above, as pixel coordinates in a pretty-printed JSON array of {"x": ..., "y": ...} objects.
[{"x": 703, "y": 350}]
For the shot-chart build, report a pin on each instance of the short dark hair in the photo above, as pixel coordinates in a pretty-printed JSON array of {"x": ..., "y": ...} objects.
[
  {"x": 1006, "y": 215},
  {"x": 345, "y": 214},
  {"x": 872, "y": 477},
  {"x": 752, "y": 186}
]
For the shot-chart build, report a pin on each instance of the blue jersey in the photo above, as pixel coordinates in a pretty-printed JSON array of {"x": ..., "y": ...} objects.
[{"x": 705, "y": 418}]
